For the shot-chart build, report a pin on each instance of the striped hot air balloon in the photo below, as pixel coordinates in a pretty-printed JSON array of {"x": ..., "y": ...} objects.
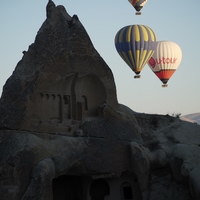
[
  {"x": 135, "y": 44},
  {"x": 138, "y": 5},
  {"x": 165, "y": 60}
]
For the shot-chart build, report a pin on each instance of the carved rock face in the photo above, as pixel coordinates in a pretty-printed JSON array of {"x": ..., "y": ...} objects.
[
  {"x": 64, "y": 104},
  {"x": 63, "y": 88},
  {"x": 60, "y": 80}
]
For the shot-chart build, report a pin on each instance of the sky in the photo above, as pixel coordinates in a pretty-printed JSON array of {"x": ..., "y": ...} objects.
[{"x": 178, "y": 22}]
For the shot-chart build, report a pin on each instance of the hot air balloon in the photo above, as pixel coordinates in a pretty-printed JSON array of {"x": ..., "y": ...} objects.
[
  {"x": 135, "y": 44},
  {"x": 165, "y": 60},
  {"x": 138, "y": 5}
]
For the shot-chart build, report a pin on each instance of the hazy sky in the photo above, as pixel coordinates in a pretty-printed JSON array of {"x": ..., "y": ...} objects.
[{"x": 177, "y": 21}]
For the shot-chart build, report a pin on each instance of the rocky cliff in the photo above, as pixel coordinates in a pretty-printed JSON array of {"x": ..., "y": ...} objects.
[
  {"x": 61, "y": 64},
  {"x": 63, "y": 134}
]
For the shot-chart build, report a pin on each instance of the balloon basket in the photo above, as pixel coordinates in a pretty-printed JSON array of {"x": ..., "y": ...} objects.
[
  {"x": 164, "y": 85},
  {"x": 137, "y": 76},
  {"x": 138, "y": 13}
]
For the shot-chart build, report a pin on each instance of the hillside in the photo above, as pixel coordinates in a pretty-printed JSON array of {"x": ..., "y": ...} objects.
[{"x": 194, "y": 118}]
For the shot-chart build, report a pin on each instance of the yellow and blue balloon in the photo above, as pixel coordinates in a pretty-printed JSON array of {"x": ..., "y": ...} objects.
[{"x": 135, "y": 44}]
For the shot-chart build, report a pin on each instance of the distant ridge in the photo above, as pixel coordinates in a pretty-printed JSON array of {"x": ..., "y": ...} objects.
[{"x": 193, "y": 118}]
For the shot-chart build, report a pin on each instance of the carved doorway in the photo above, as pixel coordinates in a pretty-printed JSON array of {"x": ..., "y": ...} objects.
[
  {"x": 99, "y": 189},
  {"x": 67, "y": 188},
  {"x": 126, "y": 191}
]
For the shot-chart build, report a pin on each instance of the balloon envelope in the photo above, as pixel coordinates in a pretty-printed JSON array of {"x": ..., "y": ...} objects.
[
  {"x": 165, "y": 60},
  {"x": 138, "y": 4},
  {"x": 135, "y": 44}
]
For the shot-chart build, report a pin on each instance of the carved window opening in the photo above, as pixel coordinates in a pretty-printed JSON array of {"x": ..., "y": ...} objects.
[
  {"x": 85, "y": 103},
  {"x": 66, "y": 109},
  {"x": 39, "y": 97},
  {"x": 60, "y": 111},
  {"x": 66, "y": 99},
  {"x": 126, "y": 191},
  {"x": 46, "y": 96},
  {"x": 53, "y": 96},
  {"x": 79, "y": 111}
]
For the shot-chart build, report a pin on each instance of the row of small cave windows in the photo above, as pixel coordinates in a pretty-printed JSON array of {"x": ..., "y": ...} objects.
[
  {"x": 100, "y": 189},
  {"x": 54, "y": 97},
  {"x": 66, "y": 98}
]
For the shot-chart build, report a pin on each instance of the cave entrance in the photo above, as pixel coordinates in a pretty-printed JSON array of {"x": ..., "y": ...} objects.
[
  {"x": 99, "y": 189},
  {"x": 67, "y": 187},
  {"x": 126, "y": 191}
]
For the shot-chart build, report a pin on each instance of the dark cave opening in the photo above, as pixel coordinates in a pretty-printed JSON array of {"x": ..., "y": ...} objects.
[
  {"x": 67, "y": 187},
  {"x": 99, "y": 189}
]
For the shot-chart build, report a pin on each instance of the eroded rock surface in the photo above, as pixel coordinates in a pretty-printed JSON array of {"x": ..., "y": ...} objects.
[
  {"x": 64, "y": 135},
  {"x": 60, "y": 80}
]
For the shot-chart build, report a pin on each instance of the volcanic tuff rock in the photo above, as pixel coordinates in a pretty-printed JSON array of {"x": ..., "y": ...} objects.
[
  {"x": 61, "y": 58},
  {"x": 61, "y": 124}
]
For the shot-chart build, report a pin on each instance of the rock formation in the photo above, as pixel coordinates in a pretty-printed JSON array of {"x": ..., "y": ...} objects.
[{"x": 63, "y": 134}]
